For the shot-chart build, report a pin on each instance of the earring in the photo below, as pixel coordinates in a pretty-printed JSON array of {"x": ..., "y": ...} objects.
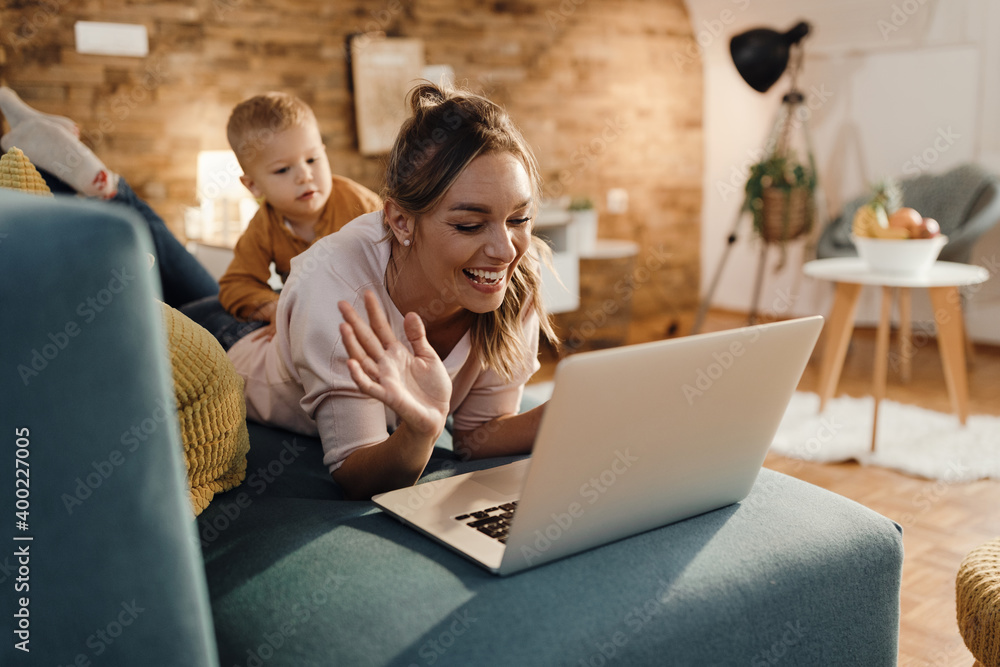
[{"x": 406, "y": 242}]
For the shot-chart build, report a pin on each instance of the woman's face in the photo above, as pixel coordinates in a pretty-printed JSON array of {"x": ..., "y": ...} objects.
[{"x": 468, "y": 246}]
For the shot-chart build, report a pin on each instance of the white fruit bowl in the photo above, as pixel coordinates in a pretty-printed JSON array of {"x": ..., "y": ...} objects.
[{"x": 900, "y": 256}]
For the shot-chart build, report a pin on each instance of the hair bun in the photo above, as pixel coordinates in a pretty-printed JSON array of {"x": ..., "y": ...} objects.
[{"x": 426, "y": 95}]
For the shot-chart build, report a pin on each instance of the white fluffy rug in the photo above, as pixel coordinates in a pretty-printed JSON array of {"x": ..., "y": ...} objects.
[{"x": 912, "y": 440}]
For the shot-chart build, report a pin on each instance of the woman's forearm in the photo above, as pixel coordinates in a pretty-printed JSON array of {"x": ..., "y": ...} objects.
[
  {"x": 504, "y": 436},
  {"x": 392, "y": 464}
]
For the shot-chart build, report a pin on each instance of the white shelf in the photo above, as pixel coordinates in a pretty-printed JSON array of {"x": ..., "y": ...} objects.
[{"x": 561, "y": 288}]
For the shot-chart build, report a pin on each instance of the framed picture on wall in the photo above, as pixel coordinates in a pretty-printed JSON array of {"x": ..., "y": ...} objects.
[{"x": 384, "y": 70}]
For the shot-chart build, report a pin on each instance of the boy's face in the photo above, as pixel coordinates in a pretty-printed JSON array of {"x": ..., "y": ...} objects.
[{"x": 292, "y": 172}]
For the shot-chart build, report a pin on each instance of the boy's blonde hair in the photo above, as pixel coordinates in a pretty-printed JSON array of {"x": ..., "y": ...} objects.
[{"x": 255, "y": 121}]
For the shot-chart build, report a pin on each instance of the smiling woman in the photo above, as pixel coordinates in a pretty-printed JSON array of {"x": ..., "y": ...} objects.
[{"x": 438, "y": 308}]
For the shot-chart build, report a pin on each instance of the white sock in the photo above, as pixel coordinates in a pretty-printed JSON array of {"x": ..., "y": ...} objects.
[
  {"x": 50, "y": 146},
  {"x": 16, "y": 111}
]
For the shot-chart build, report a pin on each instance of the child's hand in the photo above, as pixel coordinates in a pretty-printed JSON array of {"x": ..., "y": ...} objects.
[
  {"x": 266, "y": 312},
  {"x": 265, "y": 332}
]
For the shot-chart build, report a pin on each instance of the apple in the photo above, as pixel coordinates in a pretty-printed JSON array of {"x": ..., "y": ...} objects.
[
  {"x": 908, "y": 219},
  {"x": 928, "y": 229}
]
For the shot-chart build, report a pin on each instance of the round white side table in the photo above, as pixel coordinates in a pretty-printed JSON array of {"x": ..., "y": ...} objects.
[{"x": 941, "y": 281}]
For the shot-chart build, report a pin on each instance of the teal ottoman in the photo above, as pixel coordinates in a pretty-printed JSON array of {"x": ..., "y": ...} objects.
[{"x": 298, "y": 576}]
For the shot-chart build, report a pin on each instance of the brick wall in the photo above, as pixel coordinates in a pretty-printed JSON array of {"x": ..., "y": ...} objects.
[{"x": 609, "y": 93}]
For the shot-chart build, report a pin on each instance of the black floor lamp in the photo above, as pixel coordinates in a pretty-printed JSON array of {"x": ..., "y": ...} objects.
[{"x": 761, "y": 57}]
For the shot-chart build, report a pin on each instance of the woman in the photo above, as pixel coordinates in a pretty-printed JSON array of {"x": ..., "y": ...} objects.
[{"x": 453, "y": 250}]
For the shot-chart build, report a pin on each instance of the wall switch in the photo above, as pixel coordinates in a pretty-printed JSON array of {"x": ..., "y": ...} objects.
[
  {"x": 617, "y": 200},
  {"x": 111, "y": 39}
]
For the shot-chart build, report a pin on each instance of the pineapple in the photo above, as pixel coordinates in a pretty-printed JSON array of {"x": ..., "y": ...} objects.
[
  {"x": 872, "y": 219},
  {"x": 869, "y": 218}
]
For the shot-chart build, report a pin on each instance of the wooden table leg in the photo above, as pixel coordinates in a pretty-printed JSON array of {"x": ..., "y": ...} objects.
[
  {"x": 839, "y": 327},
  {"x": 951, "y": 343},
  {"x": 881, "y": 357},
  {"x": 905, "y": 334}
]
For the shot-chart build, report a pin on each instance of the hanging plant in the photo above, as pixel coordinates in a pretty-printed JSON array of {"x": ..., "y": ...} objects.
[{"x": 779, "y": 196}]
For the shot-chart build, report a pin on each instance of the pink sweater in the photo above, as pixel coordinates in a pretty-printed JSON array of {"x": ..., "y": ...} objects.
[{"x": 299, "y": 379}]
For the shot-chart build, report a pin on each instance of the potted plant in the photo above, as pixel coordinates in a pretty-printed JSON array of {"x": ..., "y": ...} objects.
[
  {"x": 779, "y": 196},
  {"x": 585, "y": 223}
]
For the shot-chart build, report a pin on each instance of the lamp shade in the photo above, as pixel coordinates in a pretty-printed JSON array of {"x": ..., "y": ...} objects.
[{"x": 761, "y": 54}]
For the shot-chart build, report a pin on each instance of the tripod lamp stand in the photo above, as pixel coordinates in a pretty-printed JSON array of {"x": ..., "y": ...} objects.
[{"x": 779, "y": 192}]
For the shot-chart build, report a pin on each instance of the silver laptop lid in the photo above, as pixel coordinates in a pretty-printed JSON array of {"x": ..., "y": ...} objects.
[{"x": 641, "y": 436}]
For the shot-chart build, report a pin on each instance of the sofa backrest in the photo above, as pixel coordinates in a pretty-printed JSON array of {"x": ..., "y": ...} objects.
[{"x": 100, "y": 550}]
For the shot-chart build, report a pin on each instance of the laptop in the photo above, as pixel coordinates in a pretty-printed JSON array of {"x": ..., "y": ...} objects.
[{"x": 633, "y": 438}]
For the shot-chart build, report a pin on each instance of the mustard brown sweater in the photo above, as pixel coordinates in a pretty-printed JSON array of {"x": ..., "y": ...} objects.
[{"x": 243, "y": 289}]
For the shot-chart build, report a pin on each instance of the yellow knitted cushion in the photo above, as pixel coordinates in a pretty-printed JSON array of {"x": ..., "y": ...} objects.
[
  {"x": 977, "y": 598},
  {"x": 17, "y": 173},
  {"x": 211, "y": 409}
]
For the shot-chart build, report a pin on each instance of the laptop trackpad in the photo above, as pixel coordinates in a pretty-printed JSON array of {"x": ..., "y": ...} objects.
[{"x": 507, "y": 480}]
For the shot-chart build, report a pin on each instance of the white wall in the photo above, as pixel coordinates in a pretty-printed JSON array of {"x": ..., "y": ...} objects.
[{"x": 893, "y": 88}]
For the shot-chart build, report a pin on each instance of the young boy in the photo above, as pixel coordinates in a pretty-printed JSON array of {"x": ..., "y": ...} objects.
[{"x": 277, "y": 142}]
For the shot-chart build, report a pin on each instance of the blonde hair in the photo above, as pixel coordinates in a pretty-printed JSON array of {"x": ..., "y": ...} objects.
[
  {"x": 254, "y": 122},
  {"x": 447, "y": 130}
]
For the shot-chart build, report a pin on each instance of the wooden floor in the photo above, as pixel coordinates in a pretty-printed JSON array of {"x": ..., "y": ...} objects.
[{"x": 942, "y": 522}]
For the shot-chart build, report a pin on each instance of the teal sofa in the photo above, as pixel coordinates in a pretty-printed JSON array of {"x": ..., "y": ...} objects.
[{"x": 110, "y": 568}]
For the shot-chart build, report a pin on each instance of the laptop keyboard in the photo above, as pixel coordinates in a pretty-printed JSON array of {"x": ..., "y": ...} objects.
[{"x": 492, "y": 521}]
